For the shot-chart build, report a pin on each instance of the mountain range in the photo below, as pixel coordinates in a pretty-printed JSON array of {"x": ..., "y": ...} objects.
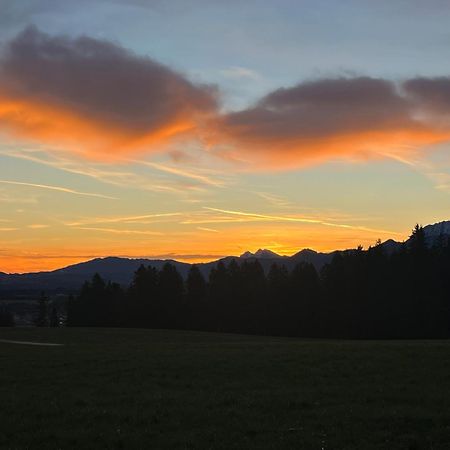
[{"x": 121, "y": 270}]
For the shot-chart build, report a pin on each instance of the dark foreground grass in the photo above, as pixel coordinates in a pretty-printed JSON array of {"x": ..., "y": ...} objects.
[{"x": 144, "y": 389}]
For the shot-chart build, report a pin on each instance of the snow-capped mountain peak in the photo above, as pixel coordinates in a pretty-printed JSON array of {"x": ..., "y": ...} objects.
[{"x": 437, "y": 229}]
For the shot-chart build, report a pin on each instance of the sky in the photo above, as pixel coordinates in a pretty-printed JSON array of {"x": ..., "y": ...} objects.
[{"x": 197, "y": 129}]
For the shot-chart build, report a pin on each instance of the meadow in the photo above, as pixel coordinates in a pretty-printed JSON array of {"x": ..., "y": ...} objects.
[{"x": 159, "y": 389}]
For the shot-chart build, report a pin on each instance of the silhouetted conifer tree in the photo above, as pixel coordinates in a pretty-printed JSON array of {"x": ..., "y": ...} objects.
[
  {"x": 98, "y": 305},
  {"x": 377, "y": 293},
  {"x": 278, "y": 300},
  {"x": 54, "y": 319},
  {"x": 252, "y": 298},
  {"x": 303, "y": 298},
  {"x": 218, "y": 296},
  {"x": 6, "y": 318},
  {"x": 144, "y": 298},
  {"x": 42, "y": 319},
  {"x": 196, "y": 298},
  {"x": 171, "y": 289}
]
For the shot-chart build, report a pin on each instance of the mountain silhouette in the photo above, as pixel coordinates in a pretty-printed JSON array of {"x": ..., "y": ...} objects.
[
  {"x": 261, "y": 253},
  {"x": 121, "y": 270}
]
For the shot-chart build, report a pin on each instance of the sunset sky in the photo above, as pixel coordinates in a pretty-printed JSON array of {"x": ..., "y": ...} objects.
[{"x": 195, "y": 129}]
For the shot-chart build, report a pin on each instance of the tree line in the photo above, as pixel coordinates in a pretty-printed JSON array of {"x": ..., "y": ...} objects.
[
  {"x": 6, "y": 318},
  {"x": 47, "y": 315},
  {"x": 359, "y": 294}
]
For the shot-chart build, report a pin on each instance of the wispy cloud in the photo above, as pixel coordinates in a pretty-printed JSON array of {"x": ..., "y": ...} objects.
[
  {"x": 120, "y": 231},
  {"x": 37, "y": 226},
  {"x": 15, "y": 199},
  {"x": 57, "y": 188},
  {"x": 122, "y": 219},
  {"x": 210, "y": 230},
  {"x": 199, "y": 219},
  {"x": 121, "y": 175},
  {"x": 275, "y": 200},
  {"x": 435, "y": 172},
  {"x": 238, "y": 73},
  {"x": 183, "y": 173},
  {"x": 263, "y": 216},
  {"x": 441, "y": 180},
  {"x": 275, "y": 218},
  {"x": 53, "y": 158}
]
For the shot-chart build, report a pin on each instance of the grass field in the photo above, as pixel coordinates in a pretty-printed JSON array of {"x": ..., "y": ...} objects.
[{"x": 147, "y": 389}]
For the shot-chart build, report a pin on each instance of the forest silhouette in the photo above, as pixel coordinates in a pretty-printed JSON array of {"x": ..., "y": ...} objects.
[{"x": 360, "y": 294}]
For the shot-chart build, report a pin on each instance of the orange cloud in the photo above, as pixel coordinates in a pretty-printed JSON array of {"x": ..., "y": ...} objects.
[
  {"x": 102, "y": 101},
  {"x": 312, "y": 122},
  {"x": 95, "y": 97}
]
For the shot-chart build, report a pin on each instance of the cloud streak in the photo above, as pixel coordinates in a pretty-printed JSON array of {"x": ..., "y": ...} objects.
[
  {"x": 57, "y": 188},
  {"x": 123, "y": 177},
  {"x": 209, "y": 230},
  {"x": 120, "y": 231},
  {"x": 126, "y": 219},
  {"x": 307, "y": 220},
  {"x": 183, "y": 173}
]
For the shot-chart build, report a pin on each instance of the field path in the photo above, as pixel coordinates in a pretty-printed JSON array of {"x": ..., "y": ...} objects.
[{"x": 44, "y": 344}]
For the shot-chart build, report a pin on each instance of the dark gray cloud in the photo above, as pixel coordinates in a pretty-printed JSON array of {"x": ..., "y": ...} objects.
[
  {"x": 324, "y": 107},
  {"x": 101, "y": 79},
  {"x": 95, "y": 97},
  {"x": 350, "y": 117},
  {"x": 57, "y": 88},
  {"x": 430, "y": 94}
]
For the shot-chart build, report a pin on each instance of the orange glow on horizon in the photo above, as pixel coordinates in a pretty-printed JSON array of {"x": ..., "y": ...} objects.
[{"x": 195, "y": 247}]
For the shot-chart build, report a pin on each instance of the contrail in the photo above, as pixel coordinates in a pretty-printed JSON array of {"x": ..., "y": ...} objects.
[
  {"x": 298, "y": 219},
  {"x": 119, "y": 231},
  {"x": 57, "y": 188},
  {"x": 95, "y": 220},
  {"x": 183, "y": 173}
]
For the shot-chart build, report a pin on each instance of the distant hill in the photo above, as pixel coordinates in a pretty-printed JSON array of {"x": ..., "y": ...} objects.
[
  {"x": 390, "y": 246},
  {"x": 121, "y": 270},
  {"x": 70, "y": 278},
  {"x": 318, "y": 260}
]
